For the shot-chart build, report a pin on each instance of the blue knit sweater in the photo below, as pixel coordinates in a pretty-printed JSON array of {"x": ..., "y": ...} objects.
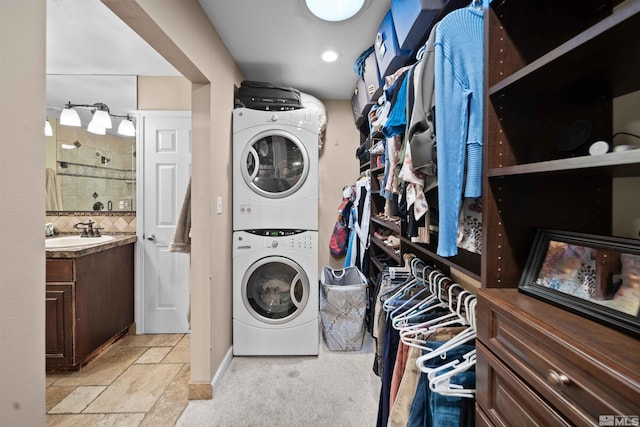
[{"x": 458, "y": 75}]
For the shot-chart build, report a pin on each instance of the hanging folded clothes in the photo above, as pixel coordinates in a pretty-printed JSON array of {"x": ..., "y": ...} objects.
[{"x": 458, "y": 76}]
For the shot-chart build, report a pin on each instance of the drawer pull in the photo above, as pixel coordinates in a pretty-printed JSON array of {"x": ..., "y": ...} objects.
[{"x": 558, "y": 380}]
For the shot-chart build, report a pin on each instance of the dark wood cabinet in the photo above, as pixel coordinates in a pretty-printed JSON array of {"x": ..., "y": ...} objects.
[
  {"x": 551, "y": 362},
  {"x": 550, "y": 64},
  {"x": 89, "y": 304},
  {"x": 59, "y": 322}
]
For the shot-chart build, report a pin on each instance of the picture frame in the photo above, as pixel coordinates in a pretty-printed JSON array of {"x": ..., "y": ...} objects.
[{"x": 594, "y": 276}]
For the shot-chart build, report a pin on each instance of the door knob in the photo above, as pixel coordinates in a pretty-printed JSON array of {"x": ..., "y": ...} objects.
[{"x": 151, "y": 237}]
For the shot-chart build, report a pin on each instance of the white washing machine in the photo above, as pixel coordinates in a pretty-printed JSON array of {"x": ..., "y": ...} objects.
[
  {"x": 275, "y": 169},
  {"x": 275, "y": 293}
]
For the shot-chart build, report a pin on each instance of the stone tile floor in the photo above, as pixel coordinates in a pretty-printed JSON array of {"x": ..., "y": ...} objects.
[{"x": 140, "y": 380}]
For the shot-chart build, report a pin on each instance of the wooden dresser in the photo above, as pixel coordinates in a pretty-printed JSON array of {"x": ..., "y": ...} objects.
[{"x": 541, "y": 365}]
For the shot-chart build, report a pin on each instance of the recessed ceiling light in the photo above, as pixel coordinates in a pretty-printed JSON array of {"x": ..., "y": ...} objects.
[
  {"x": 330, "y": 56},
  {"x": 334, "y": 10}
]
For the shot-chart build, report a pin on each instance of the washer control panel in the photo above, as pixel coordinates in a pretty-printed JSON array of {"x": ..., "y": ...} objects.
[{"x": 290, "y": 239}]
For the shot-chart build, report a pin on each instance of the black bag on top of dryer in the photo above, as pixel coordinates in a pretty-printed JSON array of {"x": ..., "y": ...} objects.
[{"x": 267, "y": 97}]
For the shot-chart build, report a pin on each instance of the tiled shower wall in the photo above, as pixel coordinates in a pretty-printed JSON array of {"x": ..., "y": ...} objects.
[
  {"x": 111, "y": 222},
  {"x": 84, "y": 179}
]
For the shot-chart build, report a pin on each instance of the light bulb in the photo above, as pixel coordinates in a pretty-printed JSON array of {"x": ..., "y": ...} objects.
[
  {"x": 334, "y": 10},
  {"x": 48, "y": 130},
  {"x": 330, "y": 56},
  {"x": 126, "y": 128},
  {"x": 70, "y": 117},
  {"x": 96, "y": 128},
  {"x": 101, "y": 118}
]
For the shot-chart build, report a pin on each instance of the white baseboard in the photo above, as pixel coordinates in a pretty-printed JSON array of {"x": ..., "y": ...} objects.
[{"x": 222, "y": 368}]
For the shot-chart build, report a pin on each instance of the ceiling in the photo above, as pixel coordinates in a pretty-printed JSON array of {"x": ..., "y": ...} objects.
[
  {"x": 92, "y": 56},
  {"x": 280, "y": 41}
]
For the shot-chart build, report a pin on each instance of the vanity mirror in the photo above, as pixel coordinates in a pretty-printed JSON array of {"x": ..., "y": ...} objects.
[{"x": 89, "y": 171}]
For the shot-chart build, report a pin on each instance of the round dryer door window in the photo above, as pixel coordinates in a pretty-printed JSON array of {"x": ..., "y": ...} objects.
[
  {"x": 275, "y": 290},
  {"x": 275, "y": 164}
]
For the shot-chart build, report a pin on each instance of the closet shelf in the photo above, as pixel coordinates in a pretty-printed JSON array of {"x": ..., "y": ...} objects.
[
  {"x": 617, "y": 164},
  {"x": 465, "y": 262},
  {"x": 585, "y": 61},
  {"x": 386, "y": 224},
  {"x": 386, "y": 249},
  {"x": 378, "y": 265}
]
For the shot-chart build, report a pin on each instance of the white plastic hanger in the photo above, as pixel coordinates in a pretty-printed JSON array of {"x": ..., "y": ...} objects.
[
  {"x": 440, "y": 382},
  {"x": 429, "y": 304},
  {"x": 454, "y": 317},
  {"x": 424, "y": 293},
  {"x": 412, "y": 334},
  {"x": 463, "y": 337},
  {"x": 404, "y": 289}
]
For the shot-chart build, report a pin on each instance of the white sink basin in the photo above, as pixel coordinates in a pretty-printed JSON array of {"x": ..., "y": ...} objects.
[{"x": 68, "y": 241}]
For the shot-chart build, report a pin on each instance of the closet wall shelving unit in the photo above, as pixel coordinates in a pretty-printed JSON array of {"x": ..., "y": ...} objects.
[
  {"x": 550, "y": 63},
  {"x": 465, "y": 262}
]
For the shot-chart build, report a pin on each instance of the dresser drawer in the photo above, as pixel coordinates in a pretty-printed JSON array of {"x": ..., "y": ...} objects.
[
  {"x": 505, "y": 400},
  {"x": 59, "y": 270},
  {"x": 482, "y": 420},
  {"x": 574, "y": 376}
]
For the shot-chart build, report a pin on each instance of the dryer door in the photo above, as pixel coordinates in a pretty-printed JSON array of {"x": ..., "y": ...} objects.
[
  {"x": 275, "y": 290},
  {"x": 274, "y": 164}
]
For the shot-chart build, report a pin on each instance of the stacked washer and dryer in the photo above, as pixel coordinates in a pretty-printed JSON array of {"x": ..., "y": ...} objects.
[{"x": 275, "y": 223}]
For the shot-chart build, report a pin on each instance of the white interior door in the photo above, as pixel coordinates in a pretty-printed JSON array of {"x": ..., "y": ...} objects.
[{"x": 166, "y": 162}]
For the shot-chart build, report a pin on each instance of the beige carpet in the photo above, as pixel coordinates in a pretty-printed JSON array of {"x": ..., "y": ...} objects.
[{"x": 335, "y": 389}]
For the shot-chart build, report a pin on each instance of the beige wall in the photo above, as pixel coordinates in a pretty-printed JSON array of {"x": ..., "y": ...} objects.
[
  {"x": 626, "y": 203},
  {"x": 338, "y": 167},
  {"x": 22, "y": 279},
  {"x": 169, "y": 93},
  {"x": 182, "y": 33}
]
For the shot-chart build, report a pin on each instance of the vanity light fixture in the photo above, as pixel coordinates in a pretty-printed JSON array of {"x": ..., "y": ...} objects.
[
  {"x": 69, "y": 116},
  {"x": 101, "y": 118},
  {"x": 48, "y": 130},
  {"x": 126, "y": 127},
  {"x": 334, "y": 10}
]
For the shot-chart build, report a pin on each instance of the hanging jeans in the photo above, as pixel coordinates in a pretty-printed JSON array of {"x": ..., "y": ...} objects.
[
  {"x": 430, "y": 409},
  {"x": 391, "y": 340}
]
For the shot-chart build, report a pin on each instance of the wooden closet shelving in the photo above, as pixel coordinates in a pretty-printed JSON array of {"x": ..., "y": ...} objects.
[
  {"x": 619, "y": 164},
  {"x": 465, "y": 262},
  {"x": 549, "y": 64}
]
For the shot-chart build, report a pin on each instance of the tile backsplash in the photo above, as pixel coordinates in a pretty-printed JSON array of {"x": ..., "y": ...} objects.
[{"x": 111, "y": 222}]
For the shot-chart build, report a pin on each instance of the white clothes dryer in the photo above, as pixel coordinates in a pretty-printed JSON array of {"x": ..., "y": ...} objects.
[
  {"x": 275, "y": 293},
  {"x": 275, "y": 169}
]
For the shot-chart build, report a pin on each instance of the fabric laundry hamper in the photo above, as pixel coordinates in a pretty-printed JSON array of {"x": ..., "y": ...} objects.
[{"x": 343, "y": 302}]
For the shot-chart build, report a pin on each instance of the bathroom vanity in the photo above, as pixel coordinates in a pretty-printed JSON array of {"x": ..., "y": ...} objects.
[{"x": 89, "y": 300}]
